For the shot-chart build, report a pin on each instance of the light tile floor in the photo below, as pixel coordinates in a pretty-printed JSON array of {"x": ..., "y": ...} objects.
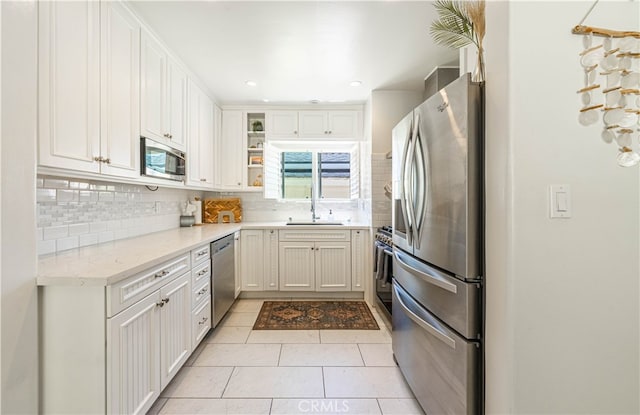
[{"x": 237, "y": 370}]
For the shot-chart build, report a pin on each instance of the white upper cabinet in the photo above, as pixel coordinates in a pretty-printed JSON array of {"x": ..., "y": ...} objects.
[
  {"x": 281, "y": 124},
  {"x": 314, "y": 124},
  {"x": 201, "y": 136},
  {"x": 89, "y": 82},
  {"x": 177, "y": 105},
  {"x": 120, "y": 81},
  {"x": 229, "y": 151},
  {"x": 335, "y": 125},
  {"x": 164, "y": 95},
  {"x": 69, "y": 85}
]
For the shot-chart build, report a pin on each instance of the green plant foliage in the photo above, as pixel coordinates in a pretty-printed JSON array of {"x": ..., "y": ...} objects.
[{"x": 454, "y": 27}]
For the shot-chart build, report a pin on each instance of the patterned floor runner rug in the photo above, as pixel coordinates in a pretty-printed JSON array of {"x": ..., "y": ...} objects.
[{"x": 314, "y": 315}]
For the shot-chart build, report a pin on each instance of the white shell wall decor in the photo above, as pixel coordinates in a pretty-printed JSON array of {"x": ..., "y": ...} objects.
[{"x": 611, "y": 88}]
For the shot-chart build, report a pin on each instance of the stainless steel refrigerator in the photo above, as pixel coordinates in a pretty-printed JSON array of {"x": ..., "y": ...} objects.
[{"x": 438, "y": 249}]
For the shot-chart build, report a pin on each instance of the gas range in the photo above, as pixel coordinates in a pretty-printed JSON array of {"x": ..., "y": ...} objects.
[{"x": 385, "y": 235}]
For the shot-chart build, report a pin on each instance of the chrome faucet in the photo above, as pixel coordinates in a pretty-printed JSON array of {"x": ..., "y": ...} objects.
[{"x": 313, "y": 206}]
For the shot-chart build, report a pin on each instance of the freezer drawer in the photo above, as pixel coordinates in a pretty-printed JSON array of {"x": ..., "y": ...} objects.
[
  {"x": 455, "y": 302},
  {"x": 442, "y": 368}
]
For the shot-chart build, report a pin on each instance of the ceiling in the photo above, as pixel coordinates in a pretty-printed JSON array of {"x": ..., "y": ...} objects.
[{"x": 300, "y": 51}]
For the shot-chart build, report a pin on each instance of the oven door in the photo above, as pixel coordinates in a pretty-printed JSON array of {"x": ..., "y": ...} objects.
[{"x": 159, "y": 160}]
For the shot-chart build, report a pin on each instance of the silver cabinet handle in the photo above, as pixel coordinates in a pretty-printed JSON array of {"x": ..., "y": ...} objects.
[
  {"x": 422, "y": 274},
  {"x": 295, "y": 132},
  {"x": 203, "y": 180},
  {"x": 204, "y": 320},
  {"x": 203, "y": 272},
  {"x": 420, "y": 322},
  {"x": 162, "y": 302},
  {"x": 161, "y": 274},
  {"x": 202, "y": 253}
]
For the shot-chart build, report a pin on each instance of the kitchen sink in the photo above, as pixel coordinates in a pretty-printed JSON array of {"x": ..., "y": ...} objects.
[{"x": 318, "y": 222}]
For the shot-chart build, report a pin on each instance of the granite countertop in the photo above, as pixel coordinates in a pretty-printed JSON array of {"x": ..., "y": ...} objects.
[{"x": 107, "y": 263}]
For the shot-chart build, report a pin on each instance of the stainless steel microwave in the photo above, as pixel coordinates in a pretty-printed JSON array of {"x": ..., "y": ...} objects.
[{"x": 159, "y": 160}]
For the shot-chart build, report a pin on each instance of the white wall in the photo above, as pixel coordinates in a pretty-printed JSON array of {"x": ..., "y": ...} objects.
[
  {"x": 387, "y": 109},
  {"x": 19, "y": 359},
  {"x": 562, "y": 294}
]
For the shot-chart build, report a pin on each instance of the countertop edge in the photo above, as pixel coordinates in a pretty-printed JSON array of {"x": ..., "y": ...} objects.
[{"x": 77, "y": 278}]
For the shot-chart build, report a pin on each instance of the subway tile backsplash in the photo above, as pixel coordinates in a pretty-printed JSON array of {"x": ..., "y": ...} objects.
[
  {"x": 76, "y": 213},
  {"x": 380, "y": 203}
]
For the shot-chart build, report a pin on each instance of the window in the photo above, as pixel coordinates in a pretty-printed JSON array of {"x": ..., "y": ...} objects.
[{"x": 293, "y": 173}]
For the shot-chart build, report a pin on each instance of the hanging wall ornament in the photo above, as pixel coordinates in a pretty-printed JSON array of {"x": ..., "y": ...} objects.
[{"x": 611, "y": 87}]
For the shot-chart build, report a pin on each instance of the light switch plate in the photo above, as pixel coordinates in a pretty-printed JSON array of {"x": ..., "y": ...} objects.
[{"x": 560, "y": 201}]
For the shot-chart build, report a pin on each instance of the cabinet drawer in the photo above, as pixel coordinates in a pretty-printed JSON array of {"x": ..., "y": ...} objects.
[
  {"x": 200, "y": 273},
  {"x": 200, "y": 323},
  {"x": 200, "y": 293},
  {"x": 307, "y": 235},
  {"x": 200, "y": 254},
  {"x": 127, "y": 292}
]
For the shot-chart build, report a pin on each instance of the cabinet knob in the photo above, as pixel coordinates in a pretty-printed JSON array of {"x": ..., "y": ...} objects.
[
  {"x": 166, "y": 135},
  {"x": 239, "y": 183},
  {"x": 295, "y": 132},
  {"x": 329, "y": 131},
  {"x": 108, "y": 161},
  {"x": 326, "y": 132},
  {"x": 203, "y": 180},
  {"x": 97, "y": 158}
]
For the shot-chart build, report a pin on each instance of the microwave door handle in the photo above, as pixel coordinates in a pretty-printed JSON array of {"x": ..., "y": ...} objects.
[
  {"x": 425, "y": 325},
  {"x": 403, "y": 178}
]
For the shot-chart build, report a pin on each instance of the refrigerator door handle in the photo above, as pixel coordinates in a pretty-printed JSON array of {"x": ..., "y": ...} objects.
[
  {"x": 420, "y": 322},
  {"x": 424, "y": 275},
  {"x": 420, "y": 176},
  {"x": 404, "y": 204},
  {"x": 409, "y": 180}
]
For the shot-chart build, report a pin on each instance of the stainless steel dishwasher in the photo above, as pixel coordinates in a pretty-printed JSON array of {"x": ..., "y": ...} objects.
[{"x": 223, "y": 277}]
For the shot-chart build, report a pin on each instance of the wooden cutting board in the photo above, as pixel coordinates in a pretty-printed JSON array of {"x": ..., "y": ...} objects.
[{"x": 221, "y": 210}]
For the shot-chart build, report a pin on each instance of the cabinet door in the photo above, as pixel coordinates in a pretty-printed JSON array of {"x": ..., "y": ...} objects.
[
  {"x": 281, "y": 124},
  {"x": 237, "y": 247},
  {"x": 200, "y": 323},
  {"x": 133, "y": 357},
  {"x": 296, "y": 266},
  {"x": 200, "y": 133},
  {"x": 313, "y": 124},
  {"x": 207, "y": 129},
  {"x": 175, "y": 329},
  {"x": 120, "y": 79},
  {"x": 333, "y": 266},
  {"x": 343, "y": 125},
  {"x": 69, "y": 85},
  {"x": 153, "y": 84},
  {"x": 230, "y": 151},
  {"x": 359, "y": 259},
  {"x": 177, "y": 105},
  {"x": 271, "y": 260},
  {"x": 252, "y": 258}
]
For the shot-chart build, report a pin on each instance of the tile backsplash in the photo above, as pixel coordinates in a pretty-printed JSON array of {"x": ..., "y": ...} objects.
[
  {"x": 380, "y": 203},
  {"x": 74, "y": 213}
]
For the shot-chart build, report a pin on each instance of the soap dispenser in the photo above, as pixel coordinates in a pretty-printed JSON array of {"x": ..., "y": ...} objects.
[{"x": 330, "y": 218}]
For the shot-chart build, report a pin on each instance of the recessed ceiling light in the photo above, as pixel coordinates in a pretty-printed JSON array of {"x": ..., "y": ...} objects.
[
  {"x": 251, "y": 83},
  {"x": 355, "y": 83},
  {"x": 265, "y": 100},
  {"x": 334, "y": 101}
]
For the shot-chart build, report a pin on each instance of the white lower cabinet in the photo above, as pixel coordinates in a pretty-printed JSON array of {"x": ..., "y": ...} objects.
[
  {"x": 133, "y": 350},
  {"x": 175, "y": 333},
  {"x": 147, "y": 344},
  {"x": 112, "y": 349},
  {"x": 237, "y": 247},
  {"x": 315, "y": 260},
  {"x": 297, "y": 268},
  {"x": 360, "y": 244},
  {"x": 333, "y": 266},
  {"x": 259, "y": 258}
]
